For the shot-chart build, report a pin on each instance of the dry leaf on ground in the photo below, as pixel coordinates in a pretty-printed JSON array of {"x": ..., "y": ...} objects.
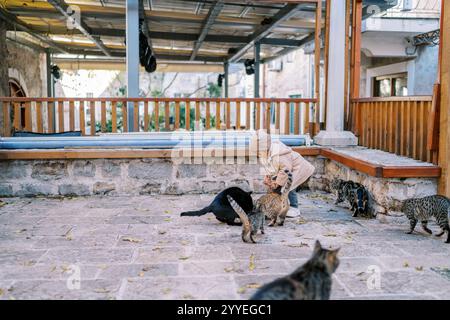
[
  {"x": 101, "y": 290},
  {"x": 298, "y": 245},
  {"x": 133, "y": 240},
  {"x": 252, "y": 265},
  {"x": 68, "y": 235},
  {"x": 330, "y": 235}
]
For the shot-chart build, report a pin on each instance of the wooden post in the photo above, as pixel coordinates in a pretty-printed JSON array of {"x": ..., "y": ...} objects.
[
  {"x": 444, "y": 139},
  {"x": 355, "y": 64},
  {"x": 355, "y": 61},
  {"x": 326, "y": 50},
  {"x": 317, "y": 65}
]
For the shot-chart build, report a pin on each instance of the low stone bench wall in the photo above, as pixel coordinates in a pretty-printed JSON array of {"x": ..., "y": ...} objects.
[
  {"x": 121, "y": 177},
  {"x": 29, "y": 178},
  {"x": 388, "y": 193}
]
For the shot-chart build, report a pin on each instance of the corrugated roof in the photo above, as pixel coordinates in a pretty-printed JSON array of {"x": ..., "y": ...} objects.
[{"x": 106, "y": 20}]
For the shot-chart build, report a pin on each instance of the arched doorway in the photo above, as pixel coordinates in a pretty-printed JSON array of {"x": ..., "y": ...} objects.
[{"x": 16, "y": 91}]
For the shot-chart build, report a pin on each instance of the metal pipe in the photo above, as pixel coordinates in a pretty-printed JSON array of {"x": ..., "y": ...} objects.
[
  {"x": 50, "y": 83},
  {"x": 226, "y": 69},
  {"x": 128, "y": 141},
  {"x": 257, "y": 63}
]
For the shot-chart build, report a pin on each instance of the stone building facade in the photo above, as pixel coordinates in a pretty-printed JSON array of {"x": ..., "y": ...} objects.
[{"x": 27, "y": 67}]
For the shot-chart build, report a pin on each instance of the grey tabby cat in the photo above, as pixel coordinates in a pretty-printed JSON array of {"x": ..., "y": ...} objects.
[
  {"x": 273, "y": 205},
  {"x": 423, "y": 209},
  {"x": 250, "y": 223},
  {"x": 344, "y": 189},
  {"x": 357, "y": 196},
  {"x": 312, "y": 281}
]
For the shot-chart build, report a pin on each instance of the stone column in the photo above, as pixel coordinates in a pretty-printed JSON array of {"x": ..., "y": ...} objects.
[{"x": 334, "y": 135}]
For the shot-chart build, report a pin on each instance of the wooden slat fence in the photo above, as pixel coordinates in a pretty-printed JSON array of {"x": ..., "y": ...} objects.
[
  {"x": 397, "y": 125},
  {"x": 101, "y": 115}
]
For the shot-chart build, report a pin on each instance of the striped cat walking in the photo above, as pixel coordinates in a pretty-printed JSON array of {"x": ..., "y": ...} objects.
[{"x": 424, "y": 209}]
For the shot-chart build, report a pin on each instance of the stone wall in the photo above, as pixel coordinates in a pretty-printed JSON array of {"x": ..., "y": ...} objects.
[
  {"x": 28, "y": 67},
  {"x": 163, "y": 176},
  {"x": 4, "y": 88},
  {"x": 122, "y": 177}
]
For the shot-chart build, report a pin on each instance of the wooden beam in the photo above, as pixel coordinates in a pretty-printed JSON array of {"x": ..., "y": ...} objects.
[
  {"x": 355, "y": 61},
  {"x": 444, "y": 139},
  {"x": 317, "y": 54},
  {"x": 326, "y": 58},
  {"x": 391, "y": 172}
]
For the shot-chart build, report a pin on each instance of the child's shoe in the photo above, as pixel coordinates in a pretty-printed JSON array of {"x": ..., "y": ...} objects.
[{"x": 293, "y": 213}]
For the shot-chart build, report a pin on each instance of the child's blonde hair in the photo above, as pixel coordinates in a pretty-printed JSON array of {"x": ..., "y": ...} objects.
[{"x": 264, "y": 141}]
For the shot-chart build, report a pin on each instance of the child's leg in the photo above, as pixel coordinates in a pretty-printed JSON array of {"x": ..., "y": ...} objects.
[{"x": 293, "y": 200}]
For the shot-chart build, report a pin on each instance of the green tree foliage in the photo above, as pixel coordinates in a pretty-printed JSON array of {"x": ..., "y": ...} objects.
[{"x": 214, "y": 91}]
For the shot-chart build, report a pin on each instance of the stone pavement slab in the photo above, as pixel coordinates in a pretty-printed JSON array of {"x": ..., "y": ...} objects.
[{"x": 140, "y": 248}]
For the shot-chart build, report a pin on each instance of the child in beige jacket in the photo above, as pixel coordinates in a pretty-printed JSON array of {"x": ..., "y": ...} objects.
[{"x": 276, "y": 157}]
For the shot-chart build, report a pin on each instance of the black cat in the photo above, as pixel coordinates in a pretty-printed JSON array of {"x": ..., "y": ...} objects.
[{"x": 221, "y": 206}]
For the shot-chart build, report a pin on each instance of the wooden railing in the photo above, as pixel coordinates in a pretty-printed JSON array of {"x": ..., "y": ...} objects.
[
  {"x": 398, "y": 125},
  {"x": 99, "y": 115}
]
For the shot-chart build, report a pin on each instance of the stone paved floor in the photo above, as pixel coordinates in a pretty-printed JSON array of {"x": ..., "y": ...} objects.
[{"x": 139, "y": 248}]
